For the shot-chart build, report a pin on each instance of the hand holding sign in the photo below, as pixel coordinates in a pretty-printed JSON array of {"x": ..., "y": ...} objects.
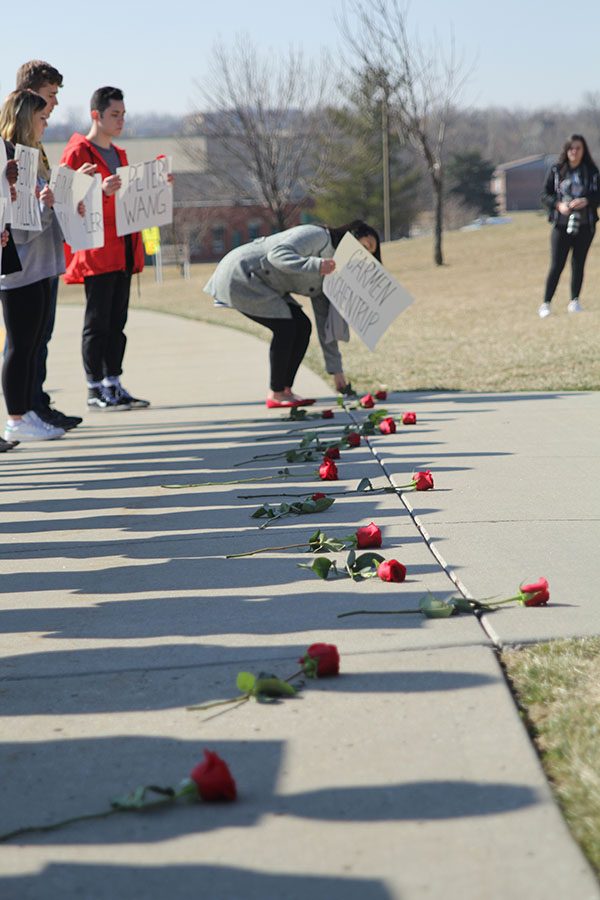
[{"x": 363, "y": 293}]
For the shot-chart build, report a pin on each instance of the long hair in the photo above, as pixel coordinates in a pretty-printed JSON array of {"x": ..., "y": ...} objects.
[
  {"x": 359, "y": 229},
  {"x": 16, "y": 120},
  {"x": 587, "y": 160}
]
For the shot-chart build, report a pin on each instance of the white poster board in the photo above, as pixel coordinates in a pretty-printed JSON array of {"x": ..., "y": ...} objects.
[
  {"x": 4, "y": 185},
  {"x": 145, "y": 197},
  {"x": 70, "y": 188},
  {"x": 364, "y": 294},
  {"x": 26, "y": 208},
  {"x": 3, "y": 207}
]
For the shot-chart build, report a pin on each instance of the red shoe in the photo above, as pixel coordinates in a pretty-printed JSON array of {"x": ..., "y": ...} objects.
[
  {"x": 308, "y": 402},
  {"x": 282, "y": 404}
]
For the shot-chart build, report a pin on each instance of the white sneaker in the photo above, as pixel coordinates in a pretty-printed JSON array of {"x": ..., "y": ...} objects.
[
  {"x": 544, "y": 310},
  {"x": 575, "y": 305},
  {"x": 31, "y": 428}
]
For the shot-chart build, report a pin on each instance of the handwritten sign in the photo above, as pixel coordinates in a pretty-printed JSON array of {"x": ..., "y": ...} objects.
[
  {"x": 145, "y": 197},
  {"x": 70, "y": 188},
  {"x": 363, "y": 293},
  {"x": 26, "y": 208},
  {"x": 4, "y": 185}
]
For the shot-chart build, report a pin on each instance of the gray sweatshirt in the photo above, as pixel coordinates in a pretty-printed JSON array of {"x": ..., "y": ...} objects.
[{"x": 41, "y": 252}]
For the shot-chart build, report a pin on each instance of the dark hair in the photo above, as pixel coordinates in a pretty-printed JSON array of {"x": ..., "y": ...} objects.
[
  {"x": 359, "y": 229},
  {"x": 102, "y": 98},
  {"x": 35, "y": 74},
  {"x": 563, "y": 159}
]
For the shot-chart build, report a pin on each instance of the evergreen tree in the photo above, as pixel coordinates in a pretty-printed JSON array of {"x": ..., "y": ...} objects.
[
  {"x": 470, "y": 175},
  {"x": 355, "y": 189}
]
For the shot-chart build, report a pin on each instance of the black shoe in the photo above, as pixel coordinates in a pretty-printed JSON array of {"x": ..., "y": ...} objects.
[
  {"x": 125, "y": 397},
  {"x": 58, "y": 419},
  {"x": 103, "y": 398},
  {"x": 7, "y": 445}
]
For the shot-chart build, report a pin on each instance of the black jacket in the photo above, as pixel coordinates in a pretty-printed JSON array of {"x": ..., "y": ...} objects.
[
  {"x": 591, "y": 182},
  {"x": 10, "y": 258}
]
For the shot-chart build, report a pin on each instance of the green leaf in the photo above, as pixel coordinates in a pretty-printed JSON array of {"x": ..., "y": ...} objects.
[
  {"x": 261, "y": 511},
  {"x": 364, "y": 485},
  {"x": 320, "y": 567},
  {"x": 308, "y": 439},
  {"x": 134, "y": 800},
  {"x": 271, "y": 686},
  {"x": 461, "y": 604},
  {"x": 296, "y": 414},
  {"x": 433, "y": 608},
  {"x": 308, "y": 506},
  {"x": 245, "y": 682},
  {"x": 351, "y": 559},
  {"x": 323, "y": 503},
  {"x": 365, "y": 565}
]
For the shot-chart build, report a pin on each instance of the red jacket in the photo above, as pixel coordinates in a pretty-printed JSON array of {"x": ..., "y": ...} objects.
[{"x": 110, "y": 257}]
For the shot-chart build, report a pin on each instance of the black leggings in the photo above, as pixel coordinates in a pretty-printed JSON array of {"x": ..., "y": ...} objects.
[
  {"x": 560, "y": 244},
  {"x": 288, "y": 345},
  {"x": 26, "y": 312}
]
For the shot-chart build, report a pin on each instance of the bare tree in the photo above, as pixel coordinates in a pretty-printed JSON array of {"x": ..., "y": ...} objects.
[
  {"x": 423, "y": 83},
  {"x": 265, "y": 126}
]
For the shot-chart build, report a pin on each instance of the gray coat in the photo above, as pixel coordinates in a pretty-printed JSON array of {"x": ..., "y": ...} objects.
[{"x": 258, "y": 279}]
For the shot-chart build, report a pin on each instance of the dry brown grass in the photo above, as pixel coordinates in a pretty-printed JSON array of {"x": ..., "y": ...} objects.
[
  {"x": 557, "y": 684},
  {"x": 474, "y": 323}
]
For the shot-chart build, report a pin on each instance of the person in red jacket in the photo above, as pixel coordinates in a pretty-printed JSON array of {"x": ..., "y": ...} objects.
[{"x": 105, "y": 271}]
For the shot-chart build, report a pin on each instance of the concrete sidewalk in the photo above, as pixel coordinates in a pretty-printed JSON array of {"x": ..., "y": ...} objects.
[{"x": 410, "y": 776}]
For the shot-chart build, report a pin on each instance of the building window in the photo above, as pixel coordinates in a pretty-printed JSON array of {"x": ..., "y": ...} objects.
[
  {"x": 236, "y": 238},
  {"x": 253, "y": 230},
  {"x": 218, "y": 239}
]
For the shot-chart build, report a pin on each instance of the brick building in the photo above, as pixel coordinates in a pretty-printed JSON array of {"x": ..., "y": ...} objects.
[{"x": 205, "y": 218}]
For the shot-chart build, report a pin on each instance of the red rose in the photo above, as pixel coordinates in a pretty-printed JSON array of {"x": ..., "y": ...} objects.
[
  {"x": 409, "y": 418},
  {"x": 327, "y": 414},
  {"x": 318, "y": 496},
  {"x": 367, "y": 402},
  {"x": 381, "y": 395},
  {"x": 391, "y": 570},
  {"x": 213, "y": 778},
  {"x": 387, "y": 426},
  {"x": 332, "y": 453},
  {"x": 423, "y": 481},
  {"x": 328, "y": 470},
  {"x": 353, "y": 439},
  {"x": 535, "y": 594},
  {"x": 368, "y": 536},
  {"x": 321, "y": 660}
]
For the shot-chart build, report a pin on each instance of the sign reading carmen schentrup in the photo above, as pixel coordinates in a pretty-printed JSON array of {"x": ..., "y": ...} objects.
[{"x": 364, "y": 294}]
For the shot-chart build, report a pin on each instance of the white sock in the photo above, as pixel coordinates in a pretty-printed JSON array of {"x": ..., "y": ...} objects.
[{"x": 111, "y": 381}]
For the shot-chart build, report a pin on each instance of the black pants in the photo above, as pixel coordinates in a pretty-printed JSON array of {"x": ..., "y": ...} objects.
[
  {"x": 560, "y": 244},
  {"x": 288, "y": 345},
  {"x": 26, "y": 313},
  {"x": 41, "y": 400},
  {"x": 103, "y": 341}
]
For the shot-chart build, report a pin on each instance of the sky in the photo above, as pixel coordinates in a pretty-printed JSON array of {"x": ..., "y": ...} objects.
[{"x": 522, "y": 54}]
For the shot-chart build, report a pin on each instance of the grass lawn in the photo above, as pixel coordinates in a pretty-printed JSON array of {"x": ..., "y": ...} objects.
[
  {"x": 557, "y": 685},
  {"x": 474, "y": 327}
]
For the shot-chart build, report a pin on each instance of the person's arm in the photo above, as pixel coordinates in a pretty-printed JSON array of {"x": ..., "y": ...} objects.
[
  {"x": 549, "y": 196},
  {"x": 303, "y": 256}
]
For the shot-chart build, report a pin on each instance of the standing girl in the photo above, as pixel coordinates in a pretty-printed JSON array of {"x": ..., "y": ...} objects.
[
  {"x": 571, "y": 195},
  {"x": 26, "y": 294}
]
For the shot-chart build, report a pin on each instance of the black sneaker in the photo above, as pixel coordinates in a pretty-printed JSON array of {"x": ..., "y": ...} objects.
[
  {"x": 125, "y": 398},
  {"x": 58, "y": 419},
  {"x": 102, "y": 398}
]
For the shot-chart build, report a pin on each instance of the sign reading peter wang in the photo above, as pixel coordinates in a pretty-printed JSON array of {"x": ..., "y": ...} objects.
[
  {"x": 363, "y": 293},
  {"x": 145, "y": 197}
]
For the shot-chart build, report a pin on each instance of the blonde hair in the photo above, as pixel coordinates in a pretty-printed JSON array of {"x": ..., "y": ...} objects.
[{"x": 16, "y": 121}]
